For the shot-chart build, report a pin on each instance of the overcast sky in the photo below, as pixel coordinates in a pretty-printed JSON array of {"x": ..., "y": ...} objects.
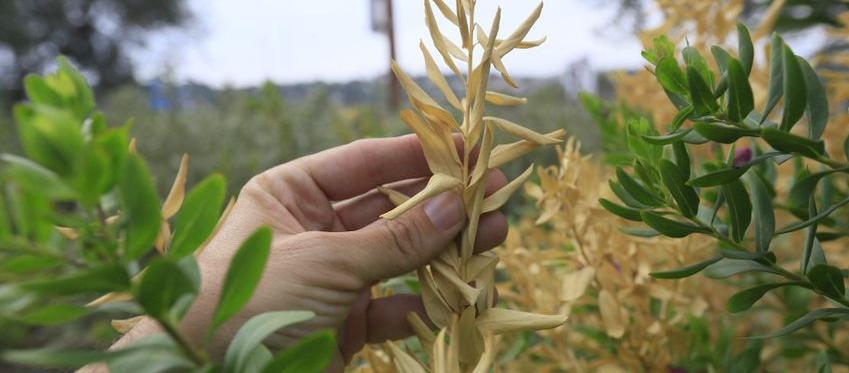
[{"x": 244, "y": 42}]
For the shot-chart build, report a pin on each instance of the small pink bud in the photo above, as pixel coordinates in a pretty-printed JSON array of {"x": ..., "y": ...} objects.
[{"x": 742, "y": 156}]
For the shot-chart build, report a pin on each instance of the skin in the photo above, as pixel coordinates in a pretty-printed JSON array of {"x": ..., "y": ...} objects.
[{"x": 330, "y": 245}]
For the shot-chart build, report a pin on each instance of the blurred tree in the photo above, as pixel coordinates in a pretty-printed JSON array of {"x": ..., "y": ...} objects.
[{"x": 95, "y": 34}]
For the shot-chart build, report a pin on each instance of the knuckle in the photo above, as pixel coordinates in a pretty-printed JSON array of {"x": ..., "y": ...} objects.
[{"x": 406, "y": 236}]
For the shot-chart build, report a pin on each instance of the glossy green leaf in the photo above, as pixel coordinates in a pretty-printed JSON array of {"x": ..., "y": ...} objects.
[
  {"x": 741, "y": 101},
  {"x": 747, "y": 298},
  {"x": 682, "y": 158},
  {"x": 719, "y": 177},
  {"x": 636, "y": 190},
  {"x": 731, "y": 267},
  {"x": 764, "y": 213},
  {"x": 805, "y": 223},
  {"x": 312, "y": 354},
  {"x": 624, "y": 196},
  {"x": 808, "y": 319},
  {"x": 686, "y": 271},
  {"x": 805, "y": 186},
  {"x": 817, "y": 103},
  {"x": 39, "y": 92},
  {"x": 198, "y": 216},
  {"x": 827, "y": 279},
  {"x": 140, "y": 207},
  {"x": 685, "y": 196},
  {"x": 739, "y": 209},
  {"x": 58, "y": 358},
  {"x": 254, "y": 331},
  {"x": 165, "y": 290},
  {"x": 776, "y": 75},
  {"x": 154, "y": 353},
  {"x": 795, "y": 93},
  {"x": 721, "y": 57},
  {"x": 790, "y": 143},
  {"x": 695, "y": 60},
  {"x": 33, "y": 175},
  {"x": 745, "y": 49},
  {"x": 702, "y": 95},
  {"x": 722, "y": 133},
  {"x": 667, "y": 138},
  {"x": 670, "y": 76},
  {"x": 50, "y": 137},
  {"x": 669, "y": 227},
  {"x": 639, "y": 232},
  {"x": 96, "y": 280},
  {"x": 619, "y": 210},
  {"x": 243, "y": 276},
  {"x": 680, "y": 117}
]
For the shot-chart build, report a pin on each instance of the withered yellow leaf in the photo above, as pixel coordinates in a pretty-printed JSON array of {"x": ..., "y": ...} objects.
[
  {"x": 68, "y": 233},
  {"x": 132, "y": 146},
  {"x": 423, "y": 332},
  {"x": 520, "y": 33},
  {"x": 505, "y": 153},
  {"x": 574, "y": 284},
  {"x": 110, "y": 298},
  {"x": 476, "y": 116},
  {"x": 163, "y": 237},
  {"x": 500, "y": 320},
  {"x": 437, "y": 310},
  {"x": 440, "y": 353},
  {"x": 469, "y": 293},
  {"x": 394, "y": 196},
  {"x": 505, "y": 75},
  {"x": 404, "y": 362},
  {"x": 439, "y": 39},
  {"x": 123, "y": 326},
  {"x": 519, "y": 131},
  {"x": 446, "y": 11},
  {"x": 463, "y": 25},
  {"x": 421, "y": 100},
  {"x": 178, "y": 190},
  {"x": 438, "y": 183},
  {"x": 438, "y": 79},
  {"x": 501, "y": 99},
  {"x": 489, "y": 350},
  {"x": 437, "y": 145},
  {"x": 611, "y": 314},
  {"x": 471, "y": 340},
  {"x": 501, "y": 196}
]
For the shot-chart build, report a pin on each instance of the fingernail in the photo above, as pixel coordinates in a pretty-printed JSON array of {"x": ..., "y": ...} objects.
[{"x": 445, "y": 210}]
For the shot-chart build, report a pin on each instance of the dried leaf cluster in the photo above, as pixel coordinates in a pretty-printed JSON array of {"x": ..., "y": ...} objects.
[{"x": 457, "y": 288}]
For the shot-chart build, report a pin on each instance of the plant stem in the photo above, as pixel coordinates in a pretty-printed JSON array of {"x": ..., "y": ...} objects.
[{"x": 198, "y": 357}]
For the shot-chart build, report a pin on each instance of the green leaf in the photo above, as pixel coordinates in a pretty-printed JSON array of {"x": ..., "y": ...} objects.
[
  {"x": 747, "y": 298},
  {"x": 804, "y": 187},
  {"x": 243, "y": 276},
  {"x": 619, "y": 210},
  {"x": 624, "y": 196},
  {"x": 685, "y": 196},
  {"x": 827, "y": 279},
  {"x": 763, "y": 211},
  {"x": 823, "y": 362},
  {"x": 694, "y": 59},
  {"x": 795, "y": 93},
  {"x": 165, "y": 290},
  {"x": 703, "y": 101},
  {"x": 721, "y": 57},
  {"x": 55, "y": 358},
  {"x": 253, "y": 332},
  {"x": 36, "y": 176},
  {"x": 817, "y": 103},
  {"x": 686, "y": 271},
  {"x": 140, "y": 207},
  {"x": 720, "y": 177},
  {"x": 741, "y": 101},
  {"x": 312, "y": 354},
  {"x": 745, "y": 49},
  {"x": 722, "y": 133},
  {"x": 739, "y": 209},
  {"x": 636, "y": 190},
  {"x": 669, "y": 227},
  {"x": 776, "y": 75},
  {"x": 39, "y": 92},
  {"x": 54, "y": 314},
  {"x": 682, "y": 158},
  {"x": 50, "y": 137},
  {"x": 789, "y": 143},
  {"x": 198, "y": 216},
  {"x": 154, "y": 353},
  {"x": 680, "y": 117},
  {"x": 96, "y": 280},
  {"x": 639, "y": 232},
  {"x": 822, "y": 215},
  {"x": 808, "y": 319},
  {"x": 668, "y": 138},
  {"x": 670, "y": 76},
  {"x": 731, "y": 267}
]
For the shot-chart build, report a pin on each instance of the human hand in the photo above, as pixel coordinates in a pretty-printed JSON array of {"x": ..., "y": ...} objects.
[{"x": 330, "y": 246}]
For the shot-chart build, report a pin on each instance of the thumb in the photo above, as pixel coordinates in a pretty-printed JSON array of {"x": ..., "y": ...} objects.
[{"x": 389, "y": 248}]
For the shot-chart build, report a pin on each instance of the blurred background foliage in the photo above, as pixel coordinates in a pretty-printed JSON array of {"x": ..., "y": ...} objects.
[{"x": 242, "y": 131}]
